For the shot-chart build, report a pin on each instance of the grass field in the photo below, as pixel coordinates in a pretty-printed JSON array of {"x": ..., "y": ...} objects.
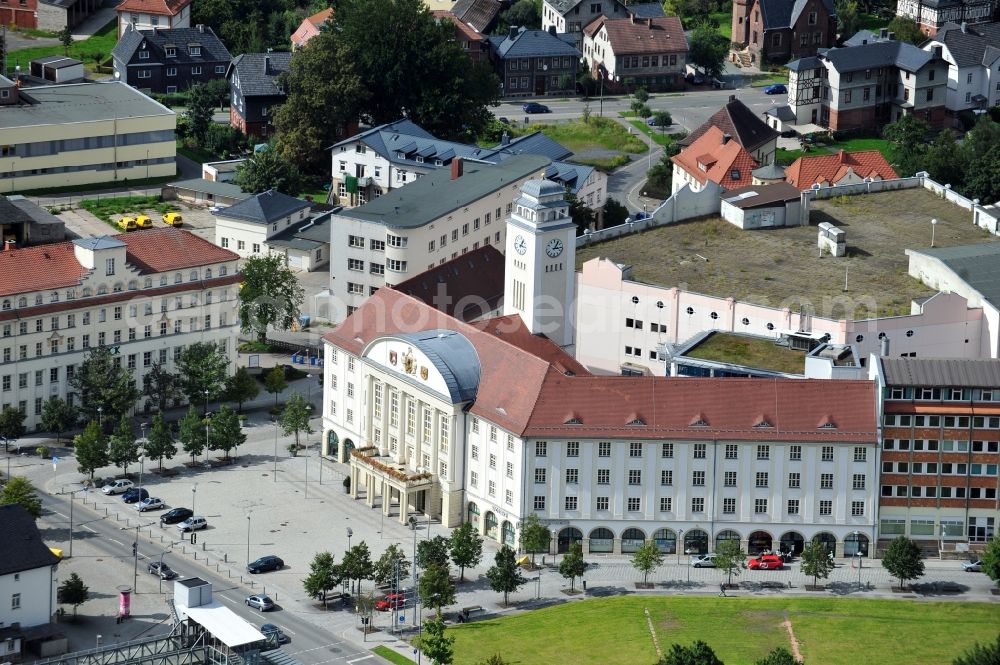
[
  {"x": 786, "y": 157},
  {"x": 750, "y": 352},
  {"x": 725, "y": 21},
  {"x": 829, "y": 631},
  {"x": 392, "y": 656},
  {"x": 105, "y": 209},
  {"x": 598, "y": 134},
  {"x": 92, "y": 51},
  {"x": 780, "y": 267}
]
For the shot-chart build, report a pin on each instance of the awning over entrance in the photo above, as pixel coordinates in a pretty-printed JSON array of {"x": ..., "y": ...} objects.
[{"x": 224, "y": 624}]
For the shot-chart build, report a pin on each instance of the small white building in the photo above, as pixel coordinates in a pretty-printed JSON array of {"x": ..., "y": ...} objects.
[
  {"x": 274, "y": 223},
  {"x": 973, "y": 55},
  {"x": 764, "y": 206}
]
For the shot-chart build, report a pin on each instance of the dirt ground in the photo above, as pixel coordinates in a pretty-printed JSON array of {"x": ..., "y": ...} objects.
[{"x": 782, "y": 267}]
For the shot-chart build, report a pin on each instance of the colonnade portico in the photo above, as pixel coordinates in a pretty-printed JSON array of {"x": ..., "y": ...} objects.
[{"x": 391, "y": 482}]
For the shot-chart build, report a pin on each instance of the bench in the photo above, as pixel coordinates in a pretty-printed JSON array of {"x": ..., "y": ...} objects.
[{"x": 472, "y": 608}]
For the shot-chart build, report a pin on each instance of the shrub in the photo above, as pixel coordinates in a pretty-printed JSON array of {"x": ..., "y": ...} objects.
[{"x": 42, "y": 451}]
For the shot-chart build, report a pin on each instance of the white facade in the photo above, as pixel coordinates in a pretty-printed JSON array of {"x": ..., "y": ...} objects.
[
  {"x": 965, "y": 83},
  {"x": 600, "y": 52},
  {"x": 248, "y": 238},
  {"x": 579, "y": 15},
  {"x": 28, "y": 597},
  {"x": 145, "y": 21}
]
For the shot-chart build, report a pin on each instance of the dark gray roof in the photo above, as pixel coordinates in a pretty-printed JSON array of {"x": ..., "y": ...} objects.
[
  {"x": 57, "y": 61},
  {"x": 258, "y": 72},
  {"x": 212, "y": 48},
  {"x": 646, "y": 10},
  {"x": 454, "y": 357},
  {"x": 946, "y": 373},
  {"x": 23, "y": 547},
  {"x": 265, "y": 207},
  {"x": 535, "y": 143},
  {"x": 861, "y": 37},
  {"x": 564, "y": 6},
  {"x": 99, "y": 242},
  {"x": 213, "y": 187},
  {"x": 783, "y": 113},
  {"x": 436, "y": 194},
  {"x": 737, "y": 120},
  {"x": 402, "y": 141},
  {"x": 761, "y": 196},
  {"x": 81, "y": 102},
  {"x": 769, "y": 172},
  {"x": 11, "y": 214},
  {"x": 306, "y": 236},
  {"x": 889, "y": 53},
  {"x": 977, "y": 265},
  {"x": 969, "y": 48},
  {"x": 533, "y": 43},
  {"x": 480, "y": 14},
  {"x": 567, "y": 174},
  {"x": 778, "y": 14},
  {"x": 803, "y": 64}
]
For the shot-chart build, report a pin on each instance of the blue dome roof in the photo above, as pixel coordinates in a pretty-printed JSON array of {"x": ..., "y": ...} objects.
[{"x": 454, "y": 357}]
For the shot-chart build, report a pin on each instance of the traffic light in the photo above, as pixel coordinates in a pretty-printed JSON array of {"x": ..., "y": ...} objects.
[{"x": 134, "y": 549}]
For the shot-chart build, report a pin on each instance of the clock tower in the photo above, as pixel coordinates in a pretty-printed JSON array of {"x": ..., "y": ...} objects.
[{"x": 540, "y": 270}]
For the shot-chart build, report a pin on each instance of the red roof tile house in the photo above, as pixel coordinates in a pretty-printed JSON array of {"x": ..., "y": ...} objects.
[
  {"x": 843, "y": 168},
  {"x": 647, "y": 52},
  {"x": 310, "y": 27},
  {"x": 475, "y": 44},
  {"x": 150, "y": 14},
  {"x": 714, "y": 160}
]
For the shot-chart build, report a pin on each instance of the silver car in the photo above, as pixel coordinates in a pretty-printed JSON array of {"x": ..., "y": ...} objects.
[
  {"x": 703, "y": 561},
  {"x": 261, "y": 602},
  {"x": 973, "y": 566}
]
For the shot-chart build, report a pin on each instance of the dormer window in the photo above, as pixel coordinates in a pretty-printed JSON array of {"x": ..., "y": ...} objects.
[
  {"x": 735, "y": 174},
  {"x": 420, "y": 160},
  {"x": 171, "y": 52},
  {"x": 195, "y": 50},
  {"x": 636, "y": 421},
  {"x": 762, "y": 422},
  {"x": 144, "y": 54}
]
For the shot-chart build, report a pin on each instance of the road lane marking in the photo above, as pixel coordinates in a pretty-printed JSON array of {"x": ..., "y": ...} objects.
[
  {"x": 290, "y": 632},
  {"x": 358, "y": 660}
]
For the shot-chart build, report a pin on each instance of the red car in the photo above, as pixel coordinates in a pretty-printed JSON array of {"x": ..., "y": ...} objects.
[
  {"x": 766, "y": 562},
  {"x": 390, "y": 602}
]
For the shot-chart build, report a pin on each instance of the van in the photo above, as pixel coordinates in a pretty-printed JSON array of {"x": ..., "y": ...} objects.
[
  {"x": 143, "y": 222},
  {"x": 127, "y": 224},
  {"x": 172, "y": 219},
  {"x": 192, "y": 524}
]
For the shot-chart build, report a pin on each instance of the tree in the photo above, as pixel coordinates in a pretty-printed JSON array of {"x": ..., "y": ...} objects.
[
  {"x": 779, "y": 656},
  {"x": 267, "y": 170},
  {"x": 199, "y": 111},
  {"x": 573, "y": 566},
  {"x": 91, "y": 449},
  {"x": 984, "y": 177},
  {"x": 433, "y": 552},
  {"x": 708, "y": 50},
  {"x": 274, "y": 382},
  {"x": 435, "y": 587},
  {"x": 662, "y": 119},
  {"x": 816, "y": 562},
  {"x": 908, "y": 136},
  {"x": 392, "y": 562},
  {"x": 20, "y": 490},
  {"x": 73, "y": 592},
  {"x": 495, "y": 659},
  {"x": 659, "y": 179},
  {"x": 534, "y": 536},
  {"x": 58, "y": 415},
  {"x": 160, "y": 443},
  {"x": 647, "y": 558},
  {"x": 983, "y": 137},
  {"x": 614, "y": 212},
  {"x": 903, "y": 560},
  {"x": 907, "y": 30},
  {"x": 523, "y": 13},
  {"x": 847, "y": 17},
  {"x": 106, "y": 389},
  {"x": 435, "y": 644},
  {"x": 241, "y": 387},
  {"x": 991, "y": 559},
  {"x": 357, "y": 564},
  {"x": 295, "y": 419},
  {"x": 466, "y": 547},
  {"x": 579, "y": 212},
  {"x": 505, "y": 576},
  {"x": 698, "y": 653},
  {"x": 65, "y": 38},
  {"x": 225, "y": 431},
  {"x": 641, "y": 95},
  {"x": 270, "y": 296},
  {"x": 945, "y": 160},
  {"x": 323, "y": 576},
  {"x": 980, "y": 655},
  {"x": 203, "y": 369},
  {"x": 122, "y": 446},
  {"x": 161, "y": 386},
  {"x": 11, "y": 423},
  {"x": 730, "y": 559},
  {"x": 192, "y": 433}
]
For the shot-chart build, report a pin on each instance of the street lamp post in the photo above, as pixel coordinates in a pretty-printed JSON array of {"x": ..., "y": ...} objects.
[
  {"x": 413, "y": 528},
  {"x": 100, "y": 418},
  {"x": 933, "y": 229},
  {"x": 274, "y": 419},
  {"x": 142, "y": 457},
  {"x": 602, "y": 91},
  {"x": 194, "y": 490},
  {"x": 207, "y": 423},
  {"x": 680, "y": 543},
  {"x": 248, "y": 537},
  {"x": 857, "y": 553},
  {"x": 350, "y": 533}
]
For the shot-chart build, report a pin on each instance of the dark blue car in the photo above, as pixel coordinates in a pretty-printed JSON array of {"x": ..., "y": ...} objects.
[
  {"x": 135, "y": 495},
  {"x": 535, "y": 107},
  {"x": 776, "y": 89}
]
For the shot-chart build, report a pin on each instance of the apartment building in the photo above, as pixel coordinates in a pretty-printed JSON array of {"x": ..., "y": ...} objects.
[
  {"x": 441, "y": 216},
  {"x": 776, "y": 30},
  {"x": 932, "y": 15},
  {"x": 648, "y": 52},
  {"x": 83, "y": 133},
  {"x": 149, "y": 14},
  {"x": 145, "y": 295},
  {"x": 940, "y": 450},
  {"x": 572, "y": 16},
  {"x": 535, "y": 62},
  {"x": 973, "y": 56}
]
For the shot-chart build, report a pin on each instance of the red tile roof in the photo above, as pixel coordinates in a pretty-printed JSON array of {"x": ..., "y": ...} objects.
[
  {"x": 737, "y": 120},
  {"x": 530, "y": 386},
  {"x": 468, "y": 32},
  {"x": 637, "y": 36},
  {"x": 319, "y": 18},
  {"x": 473, "y": 281},
  {"x": 714, "y": 158},
  {"x": 830, "y": 169},
  {"x": 159, "y": 7},
  {"x": 152, "y": 250}
]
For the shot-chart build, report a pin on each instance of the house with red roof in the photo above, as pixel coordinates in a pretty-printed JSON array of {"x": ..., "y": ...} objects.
[
  {"x": 310, "y": 27},
  {"x": 713, "y": 161},
  {"x": 146, "y": 295},
  {"x": 151, "y": 14},
  {"x": 651, "y": 52},
  {"x": 842, "y": 168}
]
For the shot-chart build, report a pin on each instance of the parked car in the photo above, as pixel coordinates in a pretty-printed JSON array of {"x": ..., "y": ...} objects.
[
  {"x": 192, "y": 524},
  {"x": 535, "y": 107},
  {"x": 126, "y": 224},
  {"x": 391, "y": 601},
  {"x": 173, "y": 219},
  {"x": 766, "y": 562},
  {"x": 265, "y": 564},
  {"x": 261, "y": 602},
  {"x": 216, "y": 209},
  {"x": 175, "y": 515},
  {"x": 143, "y": 222},
  {"x": 117, "y": 486},
  {"x": 135, "y": 495},
  {"x": 776, "y": 89},
  {"x": 150, "y": 503},
  {"x": 651, "y": 121},
  {"x": 503, "y": 121},
  {"x": 973, "y": 566},
  {"x": 695, "y": 79},
  {"x": 703, "y": 561},
  {"x": 274, "y": 633},
  {"x": 162, "y": 570},
  {"x": 789, "y": 133}
]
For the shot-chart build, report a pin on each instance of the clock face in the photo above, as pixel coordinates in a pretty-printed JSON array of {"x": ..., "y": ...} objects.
[
  {"x": 520, "y": 246},
  {"x": 554, "y": 248}
]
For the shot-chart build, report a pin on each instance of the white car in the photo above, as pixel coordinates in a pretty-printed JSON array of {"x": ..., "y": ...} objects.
[
  {"x": 192, "y": 524},
  {"x": 150, "y": 503},
  {"x": 117, "y": 486},
  {"x": 703, "y": 561},
  {"x": 973, "y": 566}
]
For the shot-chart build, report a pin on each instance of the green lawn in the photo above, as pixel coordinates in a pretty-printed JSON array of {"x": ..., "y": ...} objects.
[
  {"x": 194, "y": 153},
  {"x": 658, "y": 134},
  {"x": 750, "y": 352},
  {"x": 599, "y": 133},
  {"x": 103, "y": 209},
  {"x": 786, "y": 157},
  {"x": 725, "y": 20},
  {"x": 614, "y": 631},
  {"x": 392, "y": 656},
  {"x": 764, "y": 80},
  {"x": 92, "y": 51}
]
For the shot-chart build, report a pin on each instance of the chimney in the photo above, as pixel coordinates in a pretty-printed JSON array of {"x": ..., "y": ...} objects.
[
  {"x": 649, "y": 23},
  {"x": 267, "y": 64},
  {"x": 457, "y": 167},
  {"x": 864, "y": 41},
  {"x": 883, "y": 33},
  {"x": 632, "y": 18},
  {"x": 938, "y": 51},
  {"x": 726, "y": 138},
  {"x": 512, "y": 33},
  {"x": 552, "y": 30},
  {"x": 965, "y": 26},
  {"x": 201, "y": 28},
  {"x": 884, "y": 349}
]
